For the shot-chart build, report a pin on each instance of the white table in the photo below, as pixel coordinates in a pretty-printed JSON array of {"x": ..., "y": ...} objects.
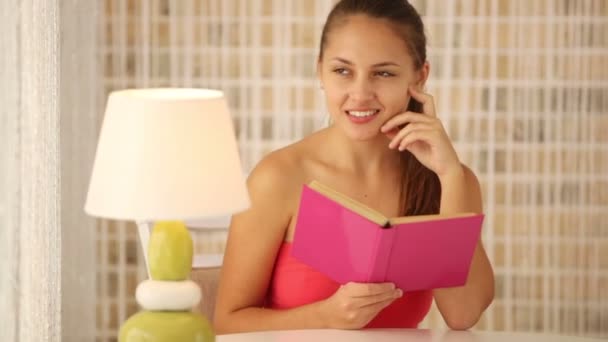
[{"x": 394, "y": 335}]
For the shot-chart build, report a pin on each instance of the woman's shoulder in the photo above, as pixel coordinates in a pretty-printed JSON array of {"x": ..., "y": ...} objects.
[
  {"x": 291, "y": 160},
  {"x": 277, "y": 170},
  {"x": 470, "y": 176},
  {"x": 285, "y": 170}
]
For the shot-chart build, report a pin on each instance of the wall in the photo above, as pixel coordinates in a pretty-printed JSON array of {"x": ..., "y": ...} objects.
[{"x": 521, "y": 89}]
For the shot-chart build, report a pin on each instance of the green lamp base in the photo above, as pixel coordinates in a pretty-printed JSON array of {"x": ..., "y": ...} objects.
[{"x": 166, "y": 326}]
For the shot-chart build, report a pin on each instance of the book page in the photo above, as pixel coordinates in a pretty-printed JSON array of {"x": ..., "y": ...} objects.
[
  {"x": 421, "y": 218},
  {"x": 350, "y": 203}
]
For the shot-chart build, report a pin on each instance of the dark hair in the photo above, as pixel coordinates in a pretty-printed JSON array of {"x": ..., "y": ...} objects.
[{"x": 421, "y": 190}]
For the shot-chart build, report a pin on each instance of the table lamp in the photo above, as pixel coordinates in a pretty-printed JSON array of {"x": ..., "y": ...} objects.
[
  {"x": 164, "y": 156},
  {"x": 210, "y": 225}
]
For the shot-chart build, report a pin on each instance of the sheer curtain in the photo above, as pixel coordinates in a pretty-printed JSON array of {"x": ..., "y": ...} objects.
[
  {"x": 47, "y": 125},
  {"x": 521, "y": 87}
]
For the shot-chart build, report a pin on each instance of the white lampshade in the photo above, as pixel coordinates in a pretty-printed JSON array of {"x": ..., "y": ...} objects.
[{"x": 166, "y": 154}]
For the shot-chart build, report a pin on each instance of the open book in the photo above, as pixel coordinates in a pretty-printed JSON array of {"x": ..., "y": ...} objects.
[{"x": 348, "y": 241}]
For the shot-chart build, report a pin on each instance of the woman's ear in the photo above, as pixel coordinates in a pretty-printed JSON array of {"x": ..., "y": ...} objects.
[{"x": 423, "y": 75}]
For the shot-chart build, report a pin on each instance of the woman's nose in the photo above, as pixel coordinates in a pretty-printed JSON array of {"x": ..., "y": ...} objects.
[{"x": 362, "y": 89}]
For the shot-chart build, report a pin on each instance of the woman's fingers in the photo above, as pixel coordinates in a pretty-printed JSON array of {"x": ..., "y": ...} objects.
[
  {"x": 407, "y": 130},
  {"x": 363, "y": 294},
  {"x": 427, "y": 101},
  {"x": 354, "y": 305},
  {"x": 368, "y": 289},
  {"x": 428, "y": 108},
  {"x": 359, "y": 302},
  {"x": 405, "y": 118},
  {"x": 419, "y": 135},
  {"x": 372, "y": 310}
]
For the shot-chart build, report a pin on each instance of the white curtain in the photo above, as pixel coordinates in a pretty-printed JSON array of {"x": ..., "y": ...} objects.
[
  {"x": 521, "y": 87},
  {"x": 48, "y": 127}
]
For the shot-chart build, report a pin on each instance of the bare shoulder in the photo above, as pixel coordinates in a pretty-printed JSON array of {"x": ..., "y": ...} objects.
[
  {"x": 470, "y": 176},
  {"x": 270, "y": 173},
  {"x": 277, "y": 172},
  {"x": 288, "y": 166},
  {"x": 473, "y": 187},
  {"x": 276, "y": 180}
]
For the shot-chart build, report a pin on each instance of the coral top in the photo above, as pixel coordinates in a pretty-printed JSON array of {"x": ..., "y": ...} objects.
[{"x": 295, "y": 284}]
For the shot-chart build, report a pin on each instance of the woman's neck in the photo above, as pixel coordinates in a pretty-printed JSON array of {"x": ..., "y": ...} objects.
[{"x": 369, "y": 158}]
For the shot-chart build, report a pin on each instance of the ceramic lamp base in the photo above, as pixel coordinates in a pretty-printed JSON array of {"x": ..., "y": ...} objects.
[{"x": 165, "y": 326}]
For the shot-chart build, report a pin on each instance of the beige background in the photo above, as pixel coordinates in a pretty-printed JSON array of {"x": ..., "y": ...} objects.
[{"x": 521, "y": 87}]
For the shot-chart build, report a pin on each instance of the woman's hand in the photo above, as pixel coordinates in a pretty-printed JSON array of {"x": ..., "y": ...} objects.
[
  {"x": 424, "y": 136},
  {"x": 356, "y": 304}
]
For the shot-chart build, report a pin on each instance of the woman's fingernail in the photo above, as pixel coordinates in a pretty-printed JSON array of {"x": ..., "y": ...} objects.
[{"x": 399, "y": 293}]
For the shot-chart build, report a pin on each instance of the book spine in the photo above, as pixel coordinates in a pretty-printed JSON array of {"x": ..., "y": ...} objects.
[{"x": 379, "y": 265}]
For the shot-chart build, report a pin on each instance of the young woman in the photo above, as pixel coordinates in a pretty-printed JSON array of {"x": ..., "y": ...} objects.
[{"x": 387, "y": 149}]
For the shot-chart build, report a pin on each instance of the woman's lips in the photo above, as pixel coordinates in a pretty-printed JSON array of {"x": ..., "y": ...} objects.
[{"x": 362, "y": 116}]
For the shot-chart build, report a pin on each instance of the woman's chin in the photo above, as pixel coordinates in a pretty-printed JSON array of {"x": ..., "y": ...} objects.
[
  {"x": 364, "y": 135},
  {"x": 359, "y": 133}
]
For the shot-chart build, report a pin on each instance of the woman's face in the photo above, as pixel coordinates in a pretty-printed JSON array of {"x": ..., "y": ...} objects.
[{"x": 365, "y": 71}]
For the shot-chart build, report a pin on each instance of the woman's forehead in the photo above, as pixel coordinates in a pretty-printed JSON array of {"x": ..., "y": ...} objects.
[{"x": 365, "y": 40}]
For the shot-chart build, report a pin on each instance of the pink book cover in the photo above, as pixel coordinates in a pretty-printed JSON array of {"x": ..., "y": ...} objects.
[{"x": 347, "y": 247}]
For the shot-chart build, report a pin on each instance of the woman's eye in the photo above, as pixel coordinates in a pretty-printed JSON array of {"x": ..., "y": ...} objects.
[
  {"x": 341, "y": 71},
  {"x": 385, "y": 74}
]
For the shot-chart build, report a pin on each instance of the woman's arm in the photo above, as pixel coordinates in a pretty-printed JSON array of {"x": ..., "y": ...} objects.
[
  {"x": 425, "y": 137},
  {"x": 254, "y": 240},
  {"x": 461, "y": 307},
  {"x": 255, "y": 237}
]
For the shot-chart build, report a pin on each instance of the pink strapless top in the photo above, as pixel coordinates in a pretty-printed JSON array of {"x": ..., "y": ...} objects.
[{"x": 295, "y": 284}]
